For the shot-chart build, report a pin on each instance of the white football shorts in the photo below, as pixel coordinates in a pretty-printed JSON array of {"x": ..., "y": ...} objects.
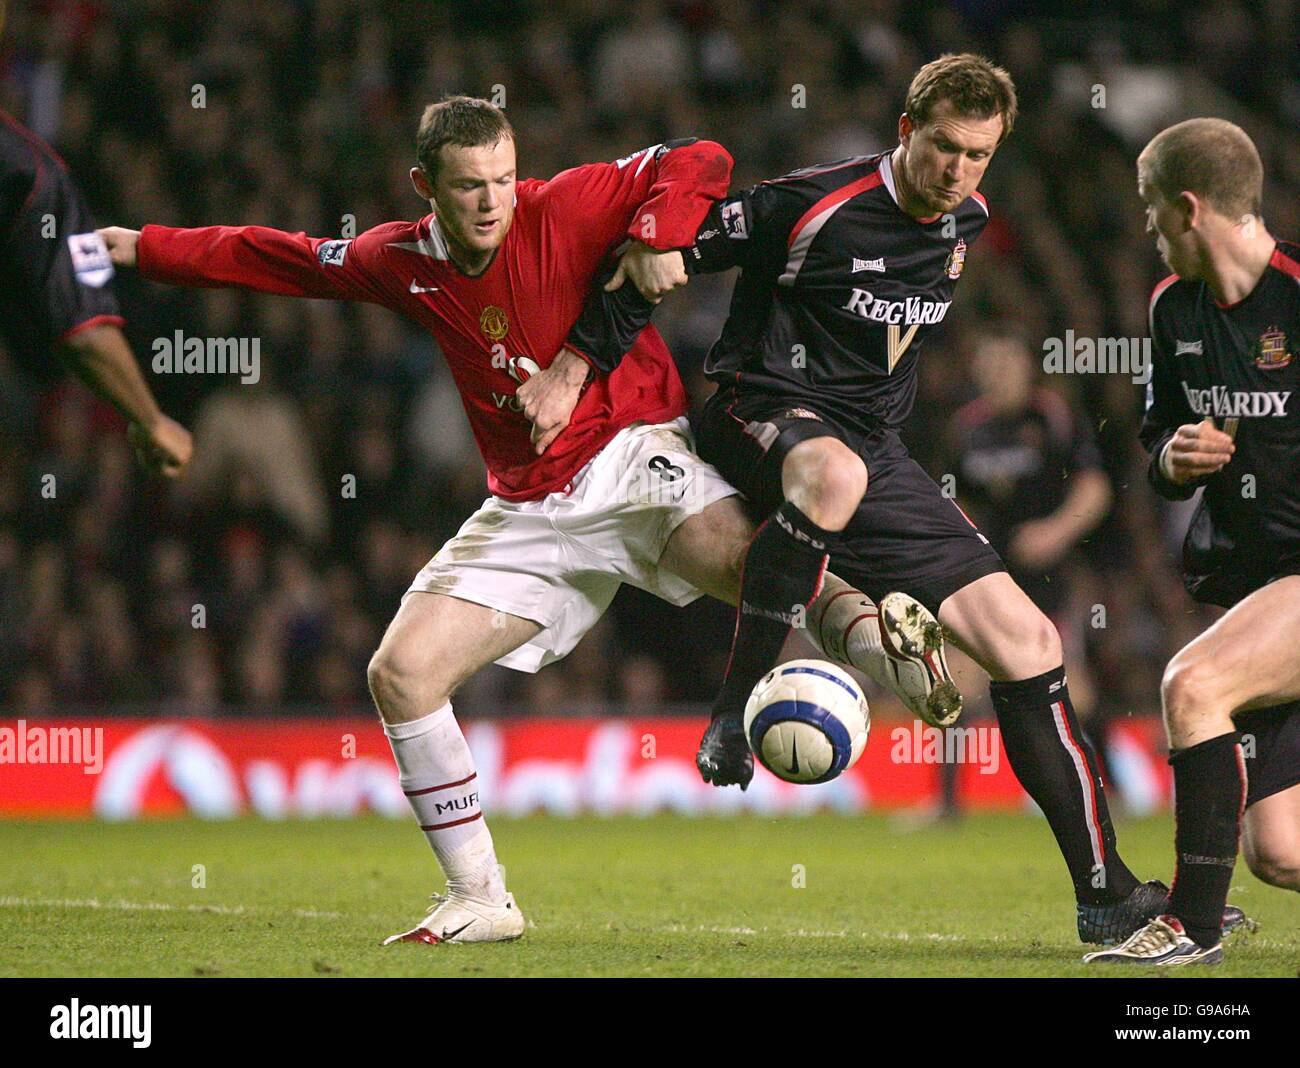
[{"x": 560, "y": 560}]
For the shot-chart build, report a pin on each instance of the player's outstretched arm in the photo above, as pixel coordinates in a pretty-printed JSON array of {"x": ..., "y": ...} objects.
[
  {"x": 616, "y": 313},
  {"x": 654, "y": 273},
  {"x": 103, "y": 360},
  {"x": 121, "y": 243},
  {"x": 249, "y": 257},
  {"x": 609, "y": 324}
]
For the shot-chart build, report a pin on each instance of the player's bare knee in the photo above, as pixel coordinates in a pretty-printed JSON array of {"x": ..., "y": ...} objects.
[
  {"x": 399, "y": 682},
  {"x": 1187, "y": 689},
  {"x": 1035, "y": 647},
  {"x": 1047, "y": 643},
  {"x": 381, "y": 677},
  {"x": 1276, "y": 869},
  {"x": 826, "y": 481}
]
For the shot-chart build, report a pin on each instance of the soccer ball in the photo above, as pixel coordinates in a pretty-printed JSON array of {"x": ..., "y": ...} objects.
[{"x": 807, "y": 721}]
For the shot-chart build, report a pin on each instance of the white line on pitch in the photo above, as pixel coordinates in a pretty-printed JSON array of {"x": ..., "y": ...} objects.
[
  {"x": 152, "y": 906},
  {"x": 800, "y": 932}
]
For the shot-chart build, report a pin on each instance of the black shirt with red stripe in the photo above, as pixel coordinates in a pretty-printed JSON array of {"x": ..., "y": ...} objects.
[
  {"x": 1235, "y": 364},
  {"x": 54, "y": 268},
  {"x": 839, "y": 289}
]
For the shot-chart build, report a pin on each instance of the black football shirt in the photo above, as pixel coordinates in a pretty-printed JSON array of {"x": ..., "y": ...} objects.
[
  {"x": 54, "y": 268},
  {"x": 839, "y": 288},
  {"x": 1236, "y": 365}
]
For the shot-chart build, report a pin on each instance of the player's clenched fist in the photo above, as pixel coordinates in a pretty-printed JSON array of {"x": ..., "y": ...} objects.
[
  {"x": 121, "y": 244},
  {"x": 163, "y": 446},
  {"x": 1196, "y": 449},
  {"x": 655, "y": 274},
  {"x": 549, "y": 397}
]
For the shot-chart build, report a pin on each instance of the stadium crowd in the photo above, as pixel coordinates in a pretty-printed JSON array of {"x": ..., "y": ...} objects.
[{"x": 261, "y": 581}]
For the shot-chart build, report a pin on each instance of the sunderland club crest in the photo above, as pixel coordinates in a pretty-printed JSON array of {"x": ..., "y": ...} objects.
[
  {"x": 1271, "y": 351},
  {"x": 956, "y": 259}
]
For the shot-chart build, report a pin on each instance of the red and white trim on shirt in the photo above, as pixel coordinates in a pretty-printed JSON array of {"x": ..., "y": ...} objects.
[
  {"x": 1284, "y": 263},
  {"x": 1156, "y": 293},
  {"x": 810, "y": 224},
  {"x": 433, "y": 245},
  {"x": 96, "y": 320}
]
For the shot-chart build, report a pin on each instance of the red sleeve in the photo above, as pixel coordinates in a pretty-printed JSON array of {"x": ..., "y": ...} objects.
[
  {"x": 659, "y": 195},
  {"x": 270, "y": 261}
]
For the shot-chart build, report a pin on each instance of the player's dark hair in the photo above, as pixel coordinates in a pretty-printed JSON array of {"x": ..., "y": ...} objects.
[
  {"x": 971, "y": 83},
  {"x": 466, "y": 121},
  {"x": 1213, "y": 158}
]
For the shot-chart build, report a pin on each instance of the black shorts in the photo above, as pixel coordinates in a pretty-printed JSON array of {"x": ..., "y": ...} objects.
[
  {"x": 906, "y": 535},
  {"x": 1271, "y": 740}
]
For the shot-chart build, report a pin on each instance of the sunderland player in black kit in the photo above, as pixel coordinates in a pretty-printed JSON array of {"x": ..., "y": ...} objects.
[
  {"x": 1223, "y": 413},
  {"x": 846, "y": 268},
  {"x": 54, "y": 301}
]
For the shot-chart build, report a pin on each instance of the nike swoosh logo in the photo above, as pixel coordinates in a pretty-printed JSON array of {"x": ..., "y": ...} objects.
[
  {"x": 447, "y": 936},
  {"x": 794, "y": 756},
  {"x": 422, "y": 289}
]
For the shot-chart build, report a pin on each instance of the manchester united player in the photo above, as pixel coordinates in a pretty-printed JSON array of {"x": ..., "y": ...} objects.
[
  {"x": 845, "y": 270},
  {"x": 54, "y": 295},
  {"x": 1222, "y": 414},
  {"x": 593, "y": 478}
]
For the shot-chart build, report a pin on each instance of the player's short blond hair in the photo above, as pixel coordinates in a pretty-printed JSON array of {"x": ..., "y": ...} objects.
[
  {"x": 467, "y": 121},
  {"x": 973, "y": 84},
  {"x": 1213, "y": 158}
]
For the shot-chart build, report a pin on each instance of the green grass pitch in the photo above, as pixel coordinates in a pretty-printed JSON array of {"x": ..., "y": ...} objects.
[{"x": 657, "y": 896}]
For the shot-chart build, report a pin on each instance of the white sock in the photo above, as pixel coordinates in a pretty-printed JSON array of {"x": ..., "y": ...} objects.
[
  {"x": 844, "y": 623},
  {"x": 436, "y": 772}
]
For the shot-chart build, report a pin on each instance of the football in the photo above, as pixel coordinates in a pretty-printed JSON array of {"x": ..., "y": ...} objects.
[{"x": 807, "y": 721}]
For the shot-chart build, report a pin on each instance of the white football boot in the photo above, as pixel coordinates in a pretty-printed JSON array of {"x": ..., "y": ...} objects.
[
  {"x": 456, "y": 918},
  {"x": 1162, "y": 943},
  {"x": 898, "y": 644}
]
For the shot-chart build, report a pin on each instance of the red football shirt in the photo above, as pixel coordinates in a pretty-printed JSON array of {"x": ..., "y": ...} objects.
[{"x": 519, "y": 310}]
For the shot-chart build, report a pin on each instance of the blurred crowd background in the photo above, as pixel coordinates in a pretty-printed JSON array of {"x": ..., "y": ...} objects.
[{"x": 309, "y": 122}]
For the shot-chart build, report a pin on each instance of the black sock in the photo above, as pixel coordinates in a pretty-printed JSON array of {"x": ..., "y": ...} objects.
[
  {"x": 1209, "y": 793},
  {"x": 1058, "y": 769},
  {"x": 783, "y": 570}
]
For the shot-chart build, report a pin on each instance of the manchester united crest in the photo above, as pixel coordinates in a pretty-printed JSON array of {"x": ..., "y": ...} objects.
[
  {"x": 956, "y": 259},
  {"x": 1271, "y": 351},
  {"x": 493, "y": 323}
]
